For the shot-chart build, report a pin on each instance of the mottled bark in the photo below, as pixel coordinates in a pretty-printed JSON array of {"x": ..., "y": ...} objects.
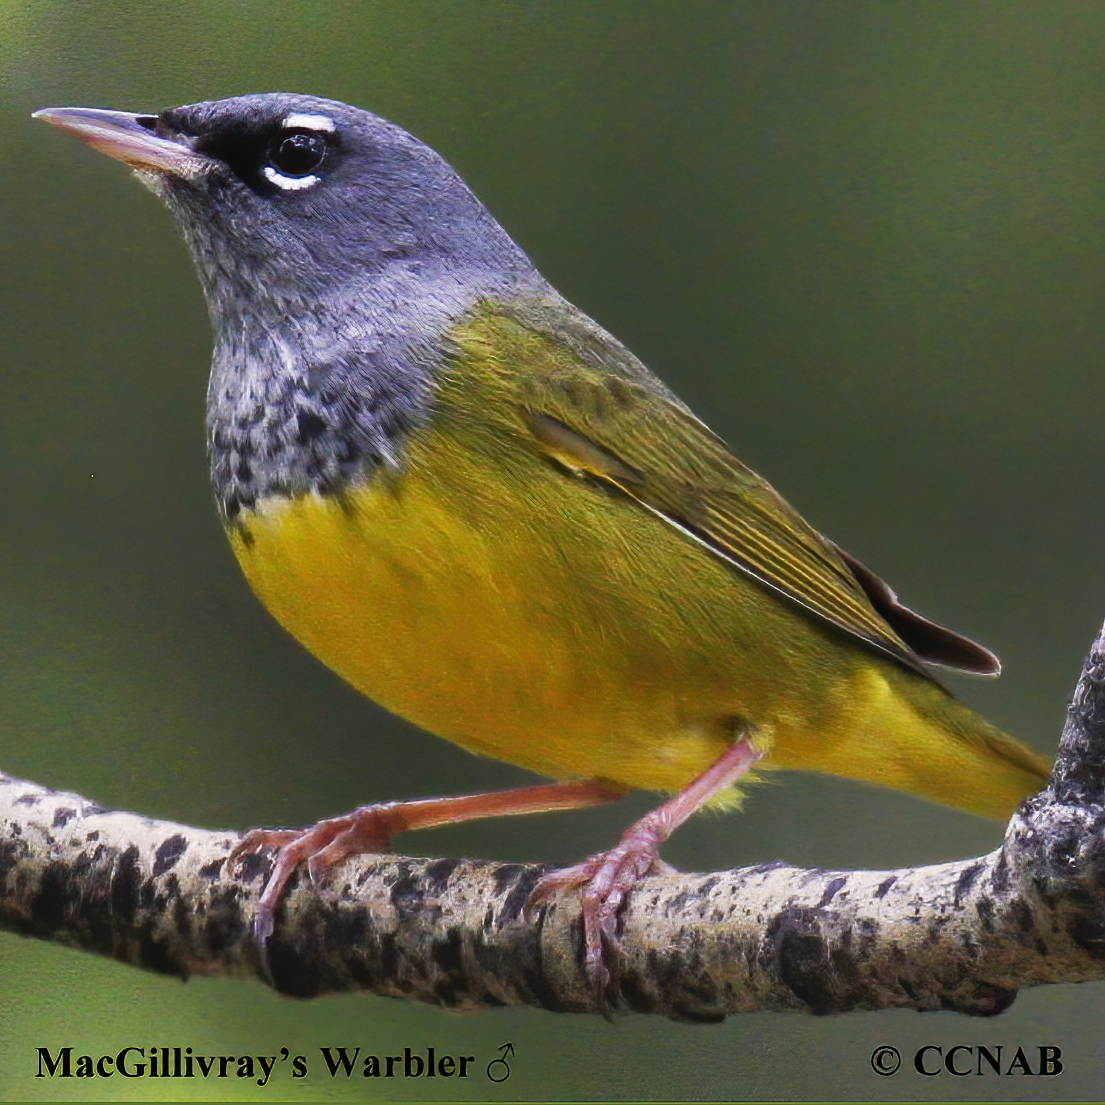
[{"x": 963, "y": 936}]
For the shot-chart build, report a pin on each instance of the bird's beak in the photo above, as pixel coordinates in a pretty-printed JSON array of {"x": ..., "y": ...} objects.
[{"x": 128, "y": 138}]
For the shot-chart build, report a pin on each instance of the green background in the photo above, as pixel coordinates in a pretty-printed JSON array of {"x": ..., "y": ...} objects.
[{"x": 864, "y": 240}]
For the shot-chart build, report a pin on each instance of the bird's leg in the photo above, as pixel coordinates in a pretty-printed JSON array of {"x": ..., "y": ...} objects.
[
  {"x": 607, "y": 878},
  {"x": 370, "y": 829}
]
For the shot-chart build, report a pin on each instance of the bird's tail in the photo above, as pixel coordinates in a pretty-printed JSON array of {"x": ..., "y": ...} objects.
[
  {"x": 987, "y": 772},
  {"x": 896, "y": 728}
]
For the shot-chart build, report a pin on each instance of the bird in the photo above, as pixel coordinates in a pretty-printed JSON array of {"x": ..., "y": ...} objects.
[{"x": 480, "y": 509}]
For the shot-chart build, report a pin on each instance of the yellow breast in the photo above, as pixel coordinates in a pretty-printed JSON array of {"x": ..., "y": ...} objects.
[
  {"x": 526, "y": 616},
  {"x": 494, "y": 600}
]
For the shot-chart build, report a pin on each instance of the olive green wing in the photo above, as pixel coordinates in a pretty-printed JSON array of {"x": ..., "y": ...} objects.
[{"x": 614, "y": 423}]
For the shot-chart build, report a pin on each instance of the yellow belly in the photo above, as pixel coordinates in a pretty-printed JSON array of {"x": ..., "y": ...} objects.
[
  {"x": 558, "y": 629},
  {"x": 534, "y": 618}
]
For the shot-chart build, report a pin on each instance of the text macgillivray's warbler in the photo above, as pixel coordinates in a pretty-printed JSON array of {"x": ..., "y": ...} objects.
[{"x": 485, "y": 513}]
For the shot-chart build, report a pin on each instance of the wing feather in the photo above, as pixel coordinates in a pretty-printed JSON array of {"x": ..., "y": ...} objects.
[{"x": 597, "y": 412}]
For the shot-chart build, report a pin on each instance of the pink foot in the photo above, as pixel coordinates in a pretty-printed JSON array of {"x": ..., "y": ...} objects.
[
  {"x": 368, "y": 829},
  {"x": 607, "y": 878}
]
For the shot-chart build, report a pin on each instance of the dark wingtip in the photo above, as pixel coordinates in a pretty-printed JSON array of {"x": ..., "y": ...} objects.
[{"x": 935, "y": 644}]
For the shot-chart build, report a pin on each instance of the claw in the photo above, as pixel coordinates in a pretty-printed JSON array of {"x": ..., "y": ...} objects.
[
  {"x": 322, "y": 846},
  {"x": 370, "y": 829},
  {"x": 607, "y": 878},
  {"x": 257, "y": 839}
]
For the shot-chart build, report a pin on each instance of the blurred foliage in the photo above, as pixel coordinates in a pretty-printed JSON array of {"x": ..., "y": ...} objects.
[{"x": 863, "y": 238}]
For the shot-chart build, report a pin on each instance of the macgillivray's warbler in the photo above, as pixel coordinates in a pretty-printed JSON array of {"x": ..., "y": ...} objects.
[{"x": 479, "y": 508}]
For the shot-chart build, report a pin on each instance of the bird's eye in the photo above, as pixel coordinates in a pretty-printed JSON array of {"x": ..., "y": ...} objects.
[{"x": 298, "y": 154}]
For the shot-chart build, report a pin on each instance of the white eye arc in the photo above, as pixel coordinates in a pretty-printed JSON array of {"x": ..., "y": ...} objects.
[
  {"x": 298, "y": 148},
  {"x": 298, "y": 120},
  {"x": 289, "y": 183}
]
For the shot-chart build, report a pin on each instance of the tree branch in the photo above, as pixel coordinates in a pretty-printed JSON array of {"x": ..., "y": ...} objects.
[{"x": 963, "y": 936}]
